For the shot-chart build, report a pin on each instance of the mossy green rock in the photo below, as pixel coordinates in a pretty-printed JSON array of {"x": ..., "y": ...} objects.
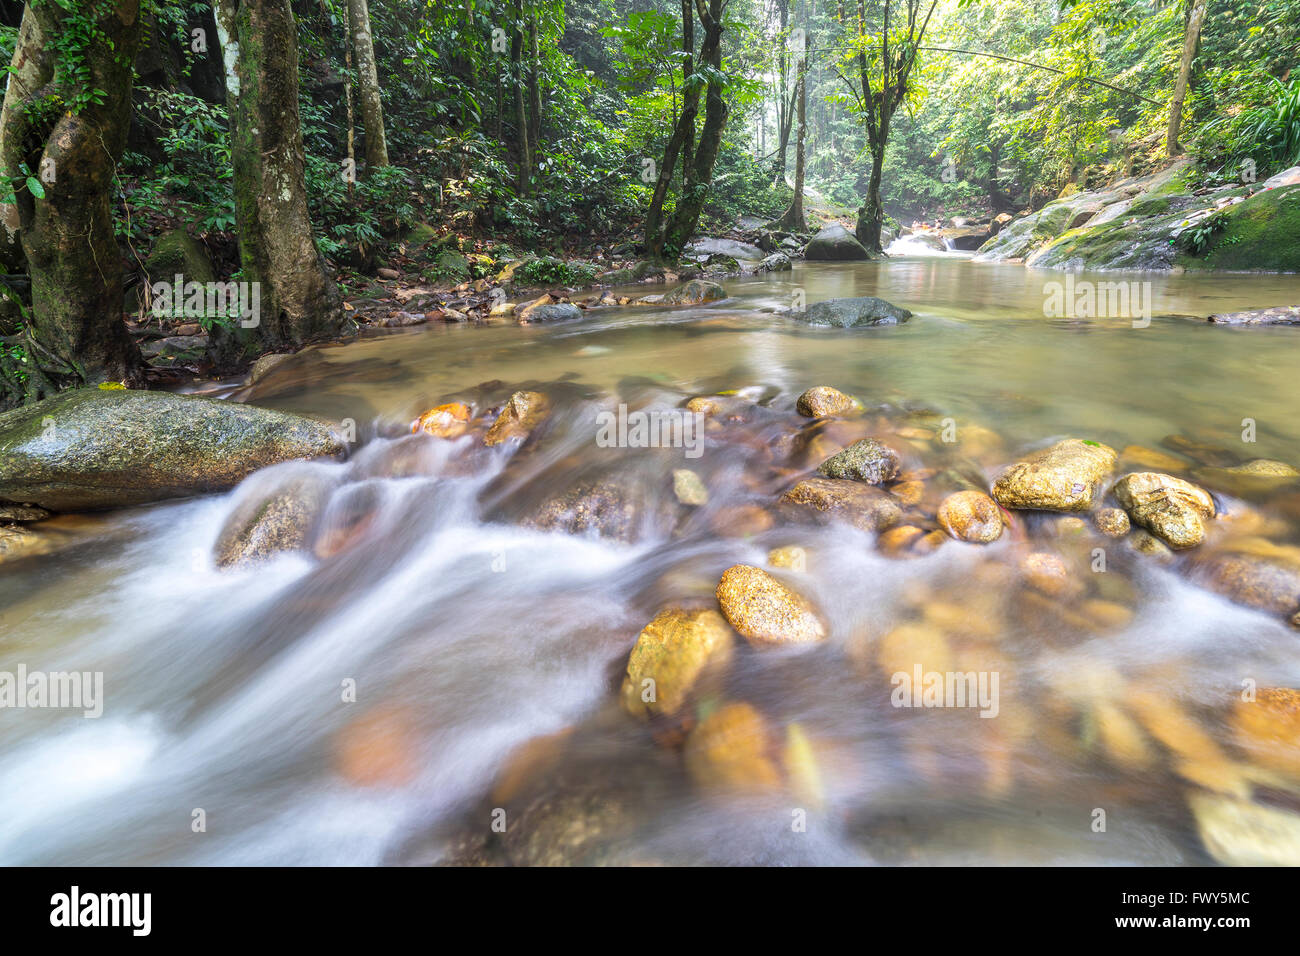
[
  {"x": 866, "y": 460},
  {"x": 695, "y": 292},
  {"x": 99, "y": 448},
  {"x": 860, "y": 312},
  {"x": 178, "y": 253}
]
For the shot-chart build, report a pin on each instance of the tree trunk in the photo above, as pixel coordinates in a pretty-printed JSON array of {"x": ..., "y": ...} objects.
[
  {"x": 534, "y": 87},
  {"x": 372, "y": 107},
  {"x": 793, "y": 219},
  {"x": 31, "y": 68},
  {"x": 298, "y": 301},
  {"x": 525, "y": 173},
  {"x": 71, "y": 144},
  {"x": 1195, "y": 19},
  {"x": 687, "y": 214}
]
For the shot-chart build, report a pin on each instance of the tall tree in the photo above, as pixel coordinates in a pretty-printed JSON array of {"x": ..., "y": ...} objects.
[
  {"x": 525, "y": 167},
  {"x": 794, "y": 217},
  {"x": 667, "y": 239},
  {"x": 65, "y": 122},
  {"x": 1191, "y": 39},
  {"x": 898, "y": 45},
  {"x": 372, "y": 107},
  {"x": 299, "y": 302}
]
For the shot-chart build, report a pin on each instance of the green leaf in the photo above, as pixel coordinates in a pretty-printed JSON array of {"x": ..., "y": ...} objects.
[{"x": 35, "y": 188}]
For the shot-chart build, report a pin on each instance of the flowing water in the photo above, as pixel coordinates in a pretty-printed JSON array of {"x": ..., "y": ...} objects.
[{"x": 444, "y": 658}]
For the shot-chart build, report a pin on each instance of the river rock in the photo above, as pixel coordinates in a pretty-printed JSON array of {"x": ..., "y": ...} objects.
[
  {"x": 1239, "y": 832},
  {"x": 1256, "y": 573},
  {"x": 1112, "y": 522},
  {"x": 861, "y": 505},
  {"x": 1283, "y": 315},
  {"x": 556, "y": 312},
  {"x": 730, "y": 750},
  {"x": 835, "y": 244},
  {"x": 971, "y": 516},
  {"x": 604, "y": 506},
  {"x": 445, "y": 421},
  {"x": 1268, "y": 728},
  {"x": 861, "y": 312},
  {"x": 866, "y": 460},
  {"x": 689, "y": 488},
  {"x": 263, "y": 527},
  {"x": 523, "y": 412},
  {"x": 1254, "y": 479},
  {"x": 822, "y": 400},
  {"x": 1065, "y": 477},
  {"x": 704, "y": 248},
  {"x": 764, "y": 611},
  {"x": 21, "y": 514},
  {"x": 1172, "y": 509},
  {"x": 776, "y": 262},
  {"x": 101, "y": 448},
  {"x": 669, "y": 657},
  {"x": 695, "y": 292}
]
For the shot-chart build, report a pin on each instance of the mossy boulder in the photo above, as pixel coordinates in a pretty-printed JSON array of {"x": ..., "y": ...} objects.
[
  {"x": 1260, "y": 234},
  {"x": 102, "y": 448},
  {"x": 175, "y": 253},
  {"x": 836, "y": 244}
]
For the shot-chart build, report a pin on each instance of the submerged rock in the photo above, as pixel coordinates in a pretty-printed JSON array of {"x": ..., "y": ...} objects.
[
  {"x": 102, "y": 448},
  {"x": 1268, "y": 728},
  {"x": 523, "y": 412},
  {"x": 1280, "y": 316},
  {"x": 971, "y": 516},
  {"x": 764, "y": 611},
  {"x": 861, "y": 505},
  {"x": 555, "y": 312},
  {"x": 867, "y": 460},
  {"x": 862, "y": 312},
  {"x": 1170, "y": 508},
  {"x": 1065, "y": 477},
  {"x": 445, "y": 421},
  {"x": 669, "y": 658},
  {"x": 265, "y": 526},
  {"x": 1239, "y": 832},
  {"x": 729, "y": 750},
  {"x": 688, "y": 487},
  {"x": 822, "y": 400},
  {"x": 695, "y": 292},
  {"x": 1256, "y": 573},
  {"x": 1112, "y": 522},
  {"x": 605, "y": 506},
  {"x": 836, "y": 244}
]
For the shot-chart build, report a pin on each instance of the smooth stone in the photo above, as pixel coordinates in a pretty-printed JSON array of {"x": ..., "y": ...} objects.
[
  {"x": 862, "y": 312},
  {"x": 670, "y": 655},
  {"x": 835, "y": 244},
  {"x": 729, "y": 750},
  {"x": 764, "y": 611},
  {"x": 971, "y": 516},
  {"x": 695, "y": 292},
  {"x": 103, "y": 448},
  {"x": 559, "y": 312},
  {"x": 1239, "y": 832},
  {"x": 1256, "y": 573},
  {"x": 445, "y": 421},
  {"x": 689, "y": 488},
  {"x": 1112, "y": 522},
  {"x": 266, "y": 526},
  {"x": 1268, "y": 728},
  {"x": 823, "y": 400},
  {"x": 1064, "y": 477}
]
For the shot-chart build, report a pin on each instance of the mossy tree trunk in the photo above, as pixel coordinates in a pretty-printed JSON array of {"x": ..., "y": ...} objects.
[
  {"x": 372, "y": 107},
  {"x": 1191, "y": 40},
  {"x": 299, "y": 302},
  {"x": 64, "y": 123}
]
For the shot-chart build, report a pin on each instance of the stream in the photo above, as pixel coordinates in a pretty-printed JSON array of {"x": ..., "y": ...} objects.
[{"x": 451, "y": 658}]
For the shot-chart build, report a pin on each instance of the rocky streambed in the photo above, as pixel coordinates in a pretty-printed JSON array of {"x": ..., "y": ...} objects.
[{"x": 524, "y": 621}]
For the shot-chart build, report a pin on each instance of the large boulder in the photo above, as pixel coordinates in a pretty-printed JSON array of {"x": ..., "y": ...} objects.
[
  {"x": 1256, "y": 573},
  {"x": 860, "y": 312},
  {"x": 836, "y": 244},
  {"x": 1068, "y": 476},
  {"x": 704, "y": 248},
  {"x": 102, "y": 448}
]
